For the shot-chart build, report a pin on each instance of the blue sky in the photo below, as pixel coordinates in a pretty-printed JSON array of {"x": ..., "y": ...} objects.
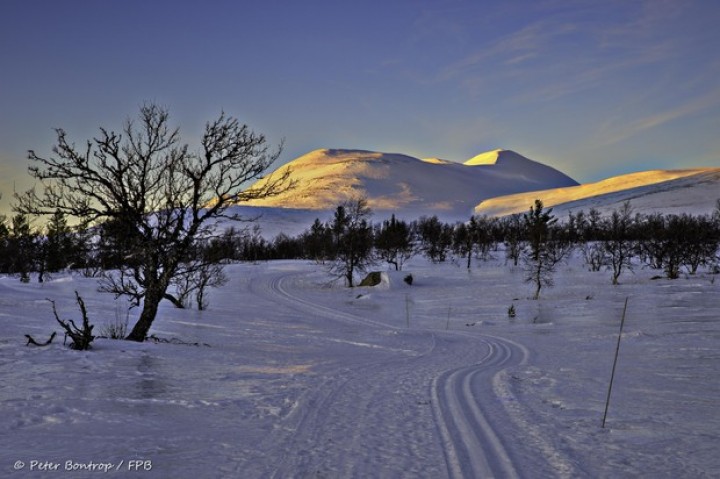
[{"x": 593, "y": 88}]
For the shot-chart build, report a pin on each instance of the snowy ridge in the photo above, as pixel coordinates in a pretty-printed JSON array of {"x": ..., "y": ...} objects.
[
  {"x": 692, "y": 191},
  {"x": 395, "y": 182}
]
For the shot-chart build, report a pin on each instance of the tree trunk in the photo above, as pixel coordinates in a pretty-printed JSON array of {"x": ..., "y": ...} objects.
[
  {"x": 151, "y": 303},
  {"x": 538, "y": 285},
  {"x": 617, "y": 269},
  {"x": 538, "y": 279},
  {"x": 349, "y": 277}
]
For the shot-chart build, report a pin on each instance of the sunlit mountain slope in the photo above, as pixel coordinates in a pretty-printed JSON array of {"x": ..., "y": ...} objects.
[
  {"x": 668, "y": 191},
  {"x": 325, "y": 178}
]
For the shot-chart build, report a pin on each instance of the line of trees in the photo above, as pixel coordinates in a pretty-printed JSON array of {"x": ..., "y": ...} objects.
[
  {"x": 350, "y": 243},
  {"x": 24, "y": 249},
  {"x": 537, "y": 241}
]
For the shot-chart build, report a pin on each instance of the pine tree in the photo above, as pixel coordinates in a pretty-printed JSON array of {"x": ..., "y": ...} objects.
[
  {"x": 22, "y": 247},
  {"x": 318, "y": 242},
  {"x": 546, "y": 247},
  {"x": 59, "y": 243}
]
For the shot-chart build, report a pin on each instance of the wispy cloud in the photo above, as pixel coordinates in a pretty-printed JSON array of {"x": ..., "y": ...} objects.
[
  {"x": 558, "y": 80},
  {"x": 618, "y": 130},
  {"x": 570, "y": 49},
  {"x": 511, "y": 49}
]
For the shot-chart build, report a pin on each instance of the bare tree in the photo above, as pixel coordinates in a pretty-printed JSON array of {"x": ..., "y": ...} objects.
[
  {"x": 197, "y": 277},
  {"x": 162, "y": 197},
  {"x": 354, "y": 240},
  {"x": 394, "y": 242},
  {"x": 513, "y": 233},
  {"x": 435, "y": 237},
  {"x": 619, "y": 246},
  {"x": 465, "y": 239}
]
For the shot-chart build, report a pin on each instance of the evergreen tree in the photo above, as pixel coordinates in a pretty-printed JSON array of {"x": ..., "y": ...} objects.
[
  {"x": 318, "y": 242},
  {"x": 546, "y": 247},
  {"x": 59, "y": 243},
  {"x": 4, "y": 238},
  {"x": 22, "y": 247}
]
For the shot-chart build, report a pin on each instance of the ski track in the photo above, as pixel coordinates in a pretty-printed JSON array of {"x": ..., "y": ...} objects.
[
  {"x": 463, "y": 405},
  {"x": 472, "y": 446}
]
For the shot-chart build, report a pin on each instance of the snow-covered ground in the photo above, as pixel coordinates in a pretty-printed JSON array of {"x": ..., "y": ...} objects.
[{"x": 293, "y": 376}]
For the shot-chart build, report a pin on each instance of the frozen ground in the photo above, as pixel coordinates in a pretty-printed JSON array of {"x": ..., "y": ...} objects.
[{"x": 295, "y": 377}]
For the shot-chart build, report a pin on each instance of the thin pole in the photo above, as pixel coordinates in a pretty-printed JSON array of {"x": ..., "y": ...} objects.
[
  {"x": 617, "y": 351},
  {"x": 407, "y": 311}
]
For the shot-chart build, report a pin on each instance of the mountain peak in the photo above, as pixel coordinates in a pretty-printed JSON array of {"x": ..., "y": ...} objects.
[
  {"x": 486, "y": 158},
  {"x": 496, "y": 157}
]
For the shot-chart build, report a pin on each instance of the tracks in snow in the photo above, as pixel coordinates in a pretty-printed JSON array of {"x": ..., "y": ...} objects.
[
  {"x": 466, "y": 409},
  {"x": 461, "y": 404},
  {"x": 370, "y": 416}
]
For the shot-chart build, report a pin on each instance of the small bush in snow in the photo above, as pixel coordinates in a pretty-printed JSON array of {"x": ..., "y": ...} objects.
[{"x": 118, "y": 328}]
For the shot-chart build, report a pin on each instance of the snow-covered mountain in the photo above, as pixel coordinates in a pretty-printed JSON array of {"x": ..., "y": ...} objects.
[
  {"x": 694, "y": 191},
  {"x": 395, "y": 182}
]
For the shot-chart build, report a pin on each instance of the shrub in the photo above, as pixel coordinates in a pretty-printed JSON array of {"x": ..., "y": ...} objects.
[
  {"x": 81, "y": 337},
  {"x": 118, "y": 328}
]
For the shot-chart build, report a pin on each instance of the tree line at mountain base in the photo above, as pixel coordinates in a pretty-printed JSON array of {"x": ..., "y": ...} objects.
[{"x": 351, "y": 243}]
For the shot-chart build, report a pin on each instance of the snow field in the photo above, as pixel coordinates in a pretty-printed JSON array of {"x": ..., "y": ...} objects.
[{"x": 303, "y": 378}]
